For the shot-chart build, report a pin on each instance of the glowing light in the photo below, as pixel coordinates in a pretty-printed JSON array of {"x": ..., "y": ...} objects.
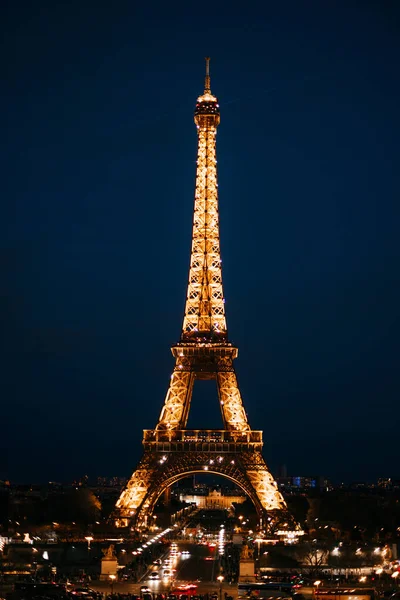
[
  {"x": 89, "y": 539},
  {"x": 204, "y": 324}
]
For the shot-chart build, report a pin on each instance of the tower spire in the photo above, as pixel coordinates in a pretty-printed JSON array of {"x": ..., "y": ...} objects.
[
  {"x": 205, "y": 308},
  {"x": 207, "y": 86}
]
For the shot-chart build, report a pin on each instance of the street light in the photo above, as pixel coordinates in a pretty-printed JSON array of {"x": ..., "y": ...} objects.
[
  {"x": 220, "y": 579},
  {"x": 89, "y": 539},
  {"x": 113, "y": 578},
  {"x": 259, "y": 542}
]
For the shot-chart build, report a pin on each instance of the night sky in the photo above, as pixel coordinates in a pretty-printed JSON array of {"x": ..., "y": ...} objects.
[{"x": 98, "y": 165}]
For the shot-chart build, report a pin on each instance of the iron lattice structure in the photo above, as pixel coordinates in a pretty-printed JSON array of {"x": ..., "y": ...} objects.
[{"x": 203, "y": 352}]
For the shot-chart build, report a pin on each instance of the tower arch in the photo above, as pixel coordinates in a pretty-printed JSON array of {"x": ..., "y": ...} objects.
[{"x": 146, "y": 510}]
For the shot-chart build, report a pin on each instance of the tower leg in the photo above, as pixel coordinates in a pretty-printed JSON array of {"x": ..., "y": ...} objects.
[
  {"x": 175, "y": 411},
  {"x": 167, "y": 497},
  {"x": 136, "y": 491},
  {"x": 233, "y": 413}
]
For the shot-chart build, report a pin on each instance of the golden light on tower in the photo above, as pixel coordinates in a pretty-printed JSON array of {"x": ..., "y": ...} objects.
[
  {"x": 205, "y": 311},
  {"x": 203, "y": 352},
  {"x": 204, "y": 319}
]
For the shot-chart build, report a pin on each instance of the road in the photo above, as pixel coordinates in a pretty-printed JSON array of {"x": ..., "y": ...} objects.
[
  {"x": 201, "y": 563},
  {"x": 199, "y": 567}
]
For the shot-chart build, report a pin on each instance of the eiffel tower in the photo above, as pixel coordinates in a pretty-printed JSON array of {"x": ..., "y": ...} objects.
[{"x": 171, "y": 451}]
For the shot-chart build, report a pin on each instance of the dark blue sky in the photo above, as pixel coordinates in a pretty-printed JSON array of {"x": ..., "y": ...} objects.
[{"x": 98, "y": 163}]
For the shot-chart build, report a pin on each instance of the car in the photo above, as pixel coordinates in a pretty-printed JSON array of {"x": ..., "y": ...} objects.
[
  {"x": 144, "y": 589},
  {"x": 154, "y": 575},
  {"x": 157, "y": 561},
  {"x": 84, "y": 592},
  {"x": 166, "y": 573}
]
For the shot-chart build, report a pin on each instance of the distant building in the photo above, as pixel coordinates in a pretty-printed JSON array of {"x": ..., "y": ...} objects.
[
  {"x": 115, "y": 482},
  {"x": 300, "y": 482},
  {"x": 213, "y": 499},
  {"x": 388, "y": 483}
]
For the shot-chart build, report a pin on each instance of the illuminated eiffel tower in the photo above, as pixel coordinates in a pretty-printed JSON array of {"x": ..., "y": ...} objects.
[{"x": 171, "y": 451}]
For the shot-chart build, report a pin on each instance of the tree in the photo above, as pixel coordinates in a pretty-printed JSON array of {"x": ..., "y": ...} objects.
[
  {"x": 78, "y": 505},
  {"x": 312, "y": 556}
]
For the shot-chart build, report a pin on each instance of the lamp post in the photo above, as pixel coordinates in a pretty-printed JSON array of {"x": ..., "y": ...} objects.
[
  {"x": 113, "y": 578},
  {"x": 220, "y": 579},
  {"x": 317, "y": 584},
  {"x": 259, "y": 542},
  {"x": 89, "y": 539}
]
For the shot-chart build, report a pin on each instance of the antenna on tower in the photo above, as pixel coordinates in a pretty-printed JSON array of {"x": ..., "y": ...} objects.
[{"x": 207, "y": 88}]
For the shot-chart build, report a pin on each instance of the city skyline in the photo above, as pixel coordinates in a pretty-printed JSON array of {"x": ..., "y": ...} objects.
[{"x": 96, "y": 234}]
